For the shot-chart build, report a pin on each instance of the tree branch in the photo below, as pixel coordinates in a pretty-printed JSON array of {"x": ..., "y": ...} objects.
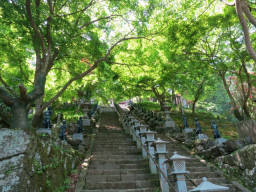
[
  {"x": 248, "y": 14},
  {"x": 82, "y": 75},
  {"x": 246, "y": 31},
  {"x": 79, "y": 11},
  {"x": 228, "y": 3},
  {"x": 96, "y": 20},
  {"x": 6, "y": 86},
  {"x": 6, "y": 117},
  {"x": 25, "y": 76},
  {"x": 33, "y": 25},
  {"x": 23, "y": 92},
  {"x": 79, "y": 76},
  {"x": 119, "y": 41},
  {"x": 6, "y": 97}
]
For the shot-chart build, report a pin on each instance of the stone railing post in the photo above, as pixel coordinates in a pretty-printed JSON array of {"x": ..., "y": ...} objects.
[
  {"x": 133, "y": 123},
  {"x": 161, "y": 153},
  {"x": 137, "y": 134},
  {"x": 143, "y": 140},
  {"x": 150, "y": 138},
  {"x": 179, "y": 170}
]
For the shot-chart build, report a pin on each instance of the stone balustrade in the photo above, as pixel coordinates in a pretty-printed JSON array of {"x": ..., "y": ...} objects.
[{"x": 155, "y": 151}]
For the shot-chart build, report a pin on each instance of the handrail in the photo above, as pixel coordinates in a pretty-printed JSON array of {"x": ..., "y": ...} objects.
[
  {"x": 157, "y": 166},
  {"x": 154, "y": 161}
]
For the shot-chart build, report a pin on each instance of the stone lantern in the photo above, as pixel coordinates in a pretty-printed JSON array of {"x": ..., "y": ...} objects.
[
  {"x": 208, "y": 186},
  {"x": 179, "y": 170},
  {"x": 161, "y": 152},
  {"x": 169, "y": 123},
  {"x": 150, "y": 138}
]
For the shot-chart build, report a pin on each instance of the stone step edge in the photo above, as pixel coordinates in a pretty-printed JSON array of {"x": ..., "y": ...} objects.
[
  {"x": 83, "y": 172},
  {"x": 118, "y": 190}
]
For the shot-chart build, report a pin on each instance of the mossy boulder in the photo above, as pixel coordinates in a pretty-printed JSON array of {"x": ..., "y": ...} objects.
[
  {"x": 31, "y": 162},
  {"x": 241, "y": 164}
]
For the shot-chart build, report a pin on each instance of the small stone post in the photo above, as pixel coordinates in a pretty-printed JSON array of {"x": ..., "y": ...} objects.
[
  {"x": 135, "y": 126},
  {"x": 143, "y": 140},
  {"x": 131, "y": 124},
  {"x": 137, "y": 134},
  {"x": 179, "y": 170},
  {"x": 150, "y": 138},
  {"x": 161, "y": 153}
]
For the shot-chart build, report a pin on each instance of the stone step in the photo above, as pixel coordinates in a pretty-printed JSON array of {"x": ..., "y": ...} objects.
[
  {"x": 113, "y": 138},
  {"x": 121, "y": 177},
  {"x": 123, "y": 190},
  {"x": 114, "y": 146},
  {"x": 117, "y": 166},
  {"x": 197, "y": 169},
  {"x": 107, "y": 131},
  {"x": 200, "y": 175},
  {"x": 117, "y": 157},
  {"x": 121, "y": 185},
  {"x": 110, "y": 133},
  {"x": 118, "y": 171},
  {"x": 117, "y": 152},
  {"x": 117, "y": 161},
  {"x": 111, "y": 144}
]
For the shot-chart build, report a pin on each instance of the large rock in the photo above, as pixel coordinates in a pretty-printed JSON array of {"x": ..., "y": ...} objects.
[
  {"x": 13, "y": 146},
  {"x": 31, "y": 162},
  {"x": 212, "y": 152},
  {"x": 242, "y": 164},
  {"x": 232, "y": 145}
]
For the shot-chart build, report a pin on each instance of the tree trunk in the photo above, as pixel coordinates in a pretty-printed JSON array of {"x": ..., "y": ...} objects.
[
  {"x": 193, "y": 108},
  {"x": 199, "y": 92},
  {"x": 37, "y": 120},
  {"x": 238, "y": 115},
  {"x": 161, "y": 104},
  {"x": 19, "y": 116},
  {"x": 236, "y": 111}
]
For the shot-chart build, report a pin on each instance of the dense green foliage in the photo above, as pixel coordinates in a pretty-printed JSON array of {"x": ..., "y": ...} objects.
[{"x": 118, "y": 50}]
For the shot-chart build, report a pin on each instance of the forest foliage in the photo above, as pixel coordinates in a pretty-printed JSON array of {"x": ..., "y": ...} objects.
[{"x": 50, "y": 50}]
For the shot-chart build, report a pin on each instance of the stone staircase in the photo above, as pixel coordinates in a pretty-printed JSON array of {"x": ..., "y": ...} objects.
[{"x": 116, "y": 164}]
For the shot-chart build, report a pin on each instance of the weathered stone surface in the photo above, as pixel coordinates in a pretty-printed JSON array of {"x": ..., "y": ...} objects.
[
  {"x": 31, "y": 162},
  {"x": 12, "y": 142},
  {"x": 13, "y": 145},
  {"x": 241, "y": 163},
  {"x": 44, "y": 131},
  {"x": 233, "y": 145},
  {"x": 212, "y": 152}
]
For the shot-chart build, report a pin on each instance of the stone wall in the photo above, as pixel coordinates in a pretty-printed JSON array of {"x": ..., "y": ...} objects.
[
  {"x": 241, "y": 164},
  {"x": 29, "y": 162}
]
